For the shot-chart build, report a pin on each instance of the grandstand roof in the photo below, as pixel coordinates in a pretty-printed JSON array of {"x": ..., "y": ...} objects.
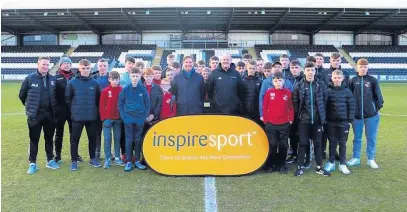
[{"x": 105, "y": 20}]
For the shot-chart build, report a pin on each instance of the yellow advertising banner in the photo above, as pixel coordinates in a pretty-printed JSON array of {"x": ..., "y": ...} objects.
[{"x": 205, "y": 145}]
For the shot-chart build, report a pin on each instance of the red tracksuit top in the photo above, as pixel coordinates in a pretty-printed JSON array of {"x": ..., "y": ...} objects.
[
  {"x": 108, "y": 106},
  {"x": 278, "y": 106},
  {"x": 166, "y": 107}
]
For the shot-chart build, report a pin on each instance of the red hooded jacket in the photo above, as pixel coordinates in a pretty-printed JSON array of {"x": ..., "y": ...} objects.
[
  {"x": 108, "y": 106},
  {"x": 278, "y": 106}
]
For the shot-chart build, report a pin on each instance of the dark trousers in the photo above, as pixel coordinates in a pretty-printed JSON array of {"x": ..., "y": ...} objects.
[
  {"x": 294, "y": 138},
  {"x": 123, "y": 140},
  {"x": 337, "y": 135},
  {"x": 45, "y": 122},
  {"x": 59, "y": 133},
  {"x": 77, "y": 127},
  {"x": 277, "y": 136},
  {"x": 134, "y": 137},
  {"x": 314, "y": 132},
  {"x": 324, "y": 140},
  {"x": 99, "y": 127}
]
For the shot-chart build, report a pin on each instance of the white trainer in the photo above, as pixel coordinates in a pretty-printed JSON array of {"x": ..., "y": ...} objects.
[
  {"x": 372, "y": 164},
  {"x": 344, "y": 169}
]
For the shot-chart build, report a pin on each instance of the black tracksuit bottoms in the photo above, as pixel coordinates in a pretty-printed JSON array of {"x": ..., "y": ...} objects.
[
  {"x": 337, "y": 135},
  {"x": 277, "y": 136},
  {"x": 44, "y": 121},
  {"x": 59, "y": 133},
  {"x": 306, "y": 132},
  {"x": 77, "y": 127}
]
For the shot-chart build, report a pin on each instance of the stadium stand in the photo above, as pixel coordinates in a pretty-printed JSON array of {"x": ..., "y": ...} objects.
[
  {"x": 19, "y": 61},
  {"x": 383, "y": 60}
]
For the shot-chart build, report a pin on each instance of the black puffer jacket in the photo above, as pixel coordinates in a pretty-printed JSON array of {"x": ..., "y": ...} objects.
[
  {"x": 286, "y": 72},
  {"x": 82, "y": 94},
  {"x": 340, "y": 105},
  {"x": 319, "y": 71},
  {"x": 30, "y": 93},
  {"x": 225, "y": 90},
  {"x": 156, "y": 97},
  {"x": 295, "y": 80},
  {"x": 252, "y": 85},
  {"x": 366, "y": 88},
  {"x": 62, "y": 107},
  {"x": 306, "y": 110}
]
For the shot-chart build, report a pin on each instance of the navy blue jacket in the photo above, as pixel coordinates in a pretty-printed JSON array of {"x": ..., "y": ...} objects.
[
  {"x": 82, "y": 94},
  {"x": 156, "y": 98},
  {"x": 306, "y": 96},
  {"x": 252, "y": 85},
  {"x": 225, "y": 90},
  {"x": 368, "y": 96},
  {"x": 62, "y": 107},
  {"x": 189, "y": 93},
  {"x": 31, "y": 92},
  {"x": 134, "y": 104},
  {"x": 295, "y": 80},
  {"x": 319, "y": 71},
  {"x": 340, "y": 105}
]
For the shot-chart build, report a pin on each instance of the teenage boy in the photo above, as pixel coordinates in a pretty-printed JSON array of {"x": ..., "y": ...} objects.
[
  {"x": 176, "y": 66},
  {"x": 109, "y": 114},
  {"x": 251, "y": 90},
  {"x": 285, "y": 63},
  {"x": 63, "y": 75},
  {"x": 82, "y": 95},
  {"x": 266, "y": 70},
  {"x": 201, "y": 65},
  {"x": 241, "y": 68},
  {"x": 213, "y": 62},
  {"x": 308, "y": 99},
  {"x": 207, "y": 104},
  {"x": 260, "y": 64},
  {"x": 134, "y": 107},
  {"x": 169, "y": 74},
  {"x": 155, "y": 93},
  {"x": 268, "y": 83},
  {"x": 166, "y": 110},
  {"x": 278, "y": 114},
  {"x": 205, "y": 73},
  {"x": 340, "y": 111},
  {"x": 247, "y": 58},
  {"x": 319, "y": 62},
  {"x": 157, "y": 74},
  {"x": 296, "y": 76},
  {"x": 37, "y": 94},
  {"x": 102, "y": 78},
  {"x": 125, "y": 76},
  {"x": 368, "y": 101}
]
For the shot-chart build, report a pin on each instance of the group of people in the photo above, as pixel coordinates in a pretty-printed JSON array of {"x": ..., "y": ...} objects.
[{"x": 306, "y": 105}]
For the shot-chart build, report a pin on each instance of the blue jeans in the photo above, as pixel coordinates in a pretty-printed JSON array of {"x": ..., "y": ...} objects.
[
  {"x": 371, "y": 128},
  {"x": 134, "y": 136},
  {"x": 108, "y": 125}
]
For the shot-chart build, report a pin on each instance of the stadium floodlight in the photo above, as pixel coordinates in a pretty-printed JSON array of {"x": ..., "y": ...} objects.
[
  {"x": 46, "y": 13},
  {"x": 208, "y": 12},
  {"x": 148, "y": 12},
  {"x": 367, "y": 13},
  {"x": 263, "y": 12},
  {"x": 96, "y": 13}
]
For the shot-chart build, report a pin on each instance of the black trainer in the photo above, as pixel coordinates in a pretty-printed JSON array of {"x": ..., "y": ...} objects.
[
  {"x": 268, "y": 169},
  {"x": 283, "y": 170},
  {"x": 298, "y": 172},
  {"x": 322, "y": 172},
  {"x": 80, "y": 160},
  {"x": 291, "y": 160},
  {"x": 307, "y": 165}
]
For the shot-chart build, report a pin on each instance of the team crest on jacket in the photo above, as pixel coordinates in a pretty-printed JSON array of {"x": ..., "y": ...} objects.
[
  {"x": 110, "y": 94},
  {"x": 285, "y": 97},
  {"x": 367, "y": 84},
  {"x": 272, "y": 95},
  {"x": 52, "y": 83}
]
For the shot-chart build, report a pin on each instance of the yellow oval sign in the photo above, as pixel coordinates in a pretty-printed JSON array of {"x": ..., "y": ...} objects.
[{"x": 205, "y": 145}]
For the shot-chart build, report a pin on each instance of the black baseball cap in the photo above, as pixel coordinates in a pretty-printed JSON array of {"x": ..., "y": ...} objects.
[{"x": 276, "y": 63}]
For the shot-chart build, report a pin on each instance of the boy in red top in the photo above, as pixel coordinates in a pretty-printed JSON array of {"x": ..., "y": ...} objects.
[
  {"x": 109, "y": 114},
  {"x": 166, "y": 110},
  {"x": 278, "y": 114}
]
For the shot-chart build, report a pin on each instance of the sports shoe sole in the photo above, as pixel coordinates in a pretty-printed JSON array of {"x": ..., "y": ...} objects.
[
  {"x": 96, "y": 166},
  {"x": 322, "y": 174},
  {"x": 50, "y": 167}
]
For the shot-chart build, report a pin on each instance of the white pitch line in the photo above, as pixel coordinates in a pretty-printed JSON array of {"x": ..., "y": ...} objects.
[
  {"x": 397, "y": 115},
  {"x": 12, "y": 114},
  {"x": 211, "y": 204}
]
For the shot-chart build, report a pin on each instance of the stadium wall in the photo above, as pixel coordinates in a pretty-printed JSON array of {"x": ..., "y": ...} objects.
[
  {"x": 403, "y": 39},
  {"x": 290, "y": 38},
  {"x": 248, "y": 38},
  {"x": 373, "y": 39},
  {"x": 160, "y": 38},
  {"x": 77, "y": 38},
  {"x": 8, "y": 40},
  {"x": 334, "y": 38}
]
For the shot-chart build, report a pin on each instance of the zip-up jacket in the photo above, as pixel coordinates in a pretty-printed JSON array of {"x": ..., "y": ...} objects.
[
  {"x": 278, "y": 106},
  {"x": 134, "y": 104},
  {"x": 340, "y": 105},
  {"x": 109, "y": 100}
]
